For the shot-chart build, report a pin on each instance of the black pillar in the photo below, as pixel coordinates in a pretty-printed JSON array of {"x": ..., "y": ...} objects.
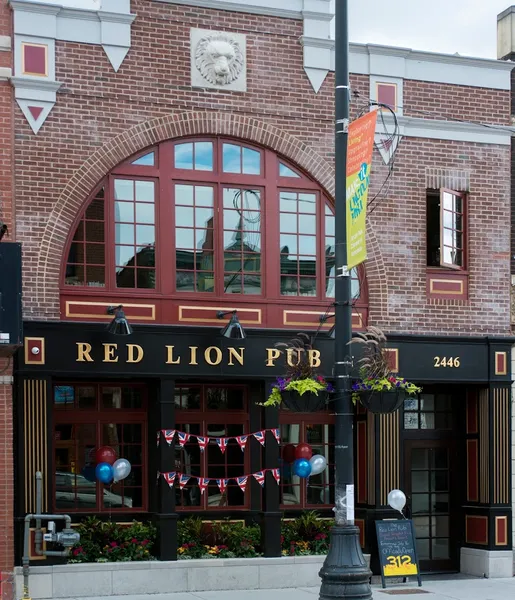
[
  {"x": 165, "y": 517},
  {"x": 271, "y": 522}
]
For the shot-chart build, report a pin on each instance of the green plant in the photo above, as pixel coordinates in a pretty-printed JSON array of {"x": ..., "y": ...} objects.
[
  {"x": 301, "y": 375},
  {"x": 104, "y": 541},
  {"x": 374, "y": 367},
  {"x": 307, "y": 534}
]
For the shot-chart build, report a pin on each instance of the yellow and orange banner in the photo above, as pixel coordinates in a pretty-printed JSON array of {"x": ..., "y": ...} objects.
[{"x": 359, "y": 161}]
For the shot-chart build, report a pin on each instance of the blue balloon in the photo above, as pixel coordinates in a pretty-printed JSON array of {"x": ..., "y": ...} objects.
[
  {"x": 302, "y": 468},
  {"x": 88, "y": 472},
  {"x": 104, "y": 472}
]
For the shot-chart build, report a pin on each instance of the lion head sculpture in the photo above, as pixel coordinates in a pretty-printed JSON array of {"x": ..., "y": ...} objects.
[{"x": 219, "y": 59}]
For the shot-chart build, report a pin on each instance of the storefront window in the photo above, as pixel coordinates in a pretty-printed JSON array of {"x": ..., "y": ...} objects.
[
  {"x": 317, "y": 490},
  {"x": 115, "y": 417},
  {"x": 202, "y": 407},
  {"x": 428, "y": 411}
]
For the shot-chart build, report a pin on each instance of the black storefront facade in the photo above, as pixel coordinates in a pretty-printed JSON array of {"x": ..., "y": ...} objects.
[{"x": 79, "y": 387}]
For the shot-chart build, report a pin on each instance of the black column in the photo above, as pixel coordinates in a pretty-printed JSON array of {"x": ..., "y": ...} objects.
[
  {"x": 271, "y": 522},
  {"x": 165, "y": 517}
]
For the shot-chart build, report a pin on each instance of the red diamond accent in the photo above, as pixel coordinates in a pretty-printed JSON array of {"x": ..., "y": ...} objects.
[{"x": 35, "y": 111}]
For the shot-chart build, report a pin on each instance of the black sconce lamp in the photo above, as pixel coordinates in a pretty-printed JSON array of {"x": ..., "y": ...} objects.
[
  {"x": 323, "y": 319},
  {"x": 119, "y": 325},
  {"x": 233, "y": 329}
]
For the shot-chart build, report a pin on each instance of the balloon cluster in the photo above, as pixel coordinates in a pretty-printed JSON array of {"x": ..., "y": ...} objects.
[
  {"x": 108, "y": 469},
  {"x": 305, "y": 463}
]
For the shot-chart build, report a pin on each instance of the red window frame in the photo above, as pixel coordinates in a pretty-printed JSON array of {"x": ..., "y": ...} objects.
[
  {"x": 165, "y": 175},
  {"x": 99, "y": 417},
  {"x": 204, "y": 417},
  {"x": 304, "y": 421}
]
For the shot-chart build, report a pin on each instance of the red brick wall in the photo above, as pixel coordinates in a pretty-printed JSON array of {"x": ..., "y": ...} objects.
[
  {"x": 89, "y": 130},
  {"x": 6, "y": 398}
]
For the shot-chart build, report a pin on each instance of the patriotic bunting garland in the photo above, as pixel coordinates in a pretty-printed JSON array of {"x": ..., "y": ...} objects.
[
  {"x": 203, "y": 441},
  {"x": 222, "y": 484}
]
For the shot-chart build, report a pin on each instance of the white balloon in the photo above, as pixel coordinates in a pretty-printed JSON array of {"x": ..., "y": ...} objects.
[
  {"x": 318, "y": 464},
  {"x": 396, "y": 499},
  {"x": 121, "y": 468}
]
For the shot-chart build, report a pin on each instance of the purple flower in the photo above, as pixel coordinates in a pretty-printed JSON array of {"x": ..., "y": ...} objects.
[{"x": 330, "y": 387}]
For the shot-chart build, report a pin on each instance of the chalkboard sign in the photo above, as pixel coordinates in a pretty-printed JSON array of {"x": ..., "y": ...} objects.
[{"x": 397, "y": 550}]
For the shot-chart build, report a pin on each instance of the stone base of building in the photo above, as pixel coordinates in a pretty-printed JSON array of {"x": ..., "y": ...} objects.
[
  {"x": 117, "y": 579},
  {"x": 486, "y": 563}
]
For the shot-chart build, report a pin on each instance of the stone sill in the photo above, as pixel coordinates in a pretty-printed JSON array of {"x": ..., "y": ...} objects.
[{"x": 157, "y": 577}]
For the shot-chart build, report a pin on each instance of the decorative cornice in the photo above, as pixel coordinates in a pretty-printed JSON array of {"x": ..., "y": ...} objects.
[
  {"x": 452, "y": 130},
  {"x": 5, "y": 43},
  {"x": 317, "y": 42},
  {"x": 33, "y": 83},
  {"x": 246, "y": 7},
  {"x": 5, "y": 73}
]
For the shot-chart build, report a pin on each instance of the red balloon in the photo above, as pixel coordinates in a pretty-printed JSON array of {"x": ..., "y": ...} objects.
[
  {"x": 105, "y": 454},
  {"x": 303, "y": 451},
  {"x": 289, "y": 453}
]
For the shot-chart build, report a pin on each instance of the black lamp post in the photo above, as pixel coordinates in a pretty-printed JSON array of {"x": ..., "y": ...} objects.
[{"x": 344, "y": 574}]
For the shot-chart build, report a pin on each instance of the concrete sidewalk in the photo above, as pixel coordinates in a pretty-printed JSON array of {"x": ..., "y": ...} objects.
[{"x": 453, "y": 587}]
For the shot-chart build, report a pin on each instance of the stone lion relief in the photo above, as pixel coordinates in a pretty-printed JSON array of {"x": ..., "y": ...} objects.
[{"x": 219, "y": 59}]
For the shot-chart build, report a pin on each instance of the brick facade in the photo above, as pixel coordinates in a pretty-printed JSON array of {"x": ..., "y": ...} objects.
[
  {"x": 102, "y": 117},
  {"x": 6, "y": 396}
]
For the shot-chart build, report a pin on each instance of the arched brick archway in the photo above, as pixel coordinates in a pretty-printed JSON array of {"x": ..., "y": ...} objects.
[{"x": 160, "y": 129}]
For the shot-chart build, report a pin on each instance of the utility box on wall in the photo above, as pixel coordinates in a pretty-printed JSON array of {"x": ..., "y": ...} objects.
[{"x": 11, "y": 324}]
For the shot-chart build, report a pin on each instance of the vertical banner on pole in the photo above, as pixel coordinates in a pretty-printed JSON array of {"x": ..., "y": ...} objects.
[{"x": 359, "y": 162}]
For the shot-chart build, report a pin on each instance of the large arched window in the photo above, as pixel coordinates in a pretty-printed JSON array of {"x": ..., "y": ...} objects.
[{"x": 206, "y": 217}]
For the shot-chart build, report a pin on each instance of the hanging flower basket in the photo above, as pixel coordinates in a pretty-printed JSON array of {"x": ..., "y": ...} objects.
[
  {"x": 382, "y": 402},
  {"x": 307, "y": 402},
  {"x": 384, "y": 395}
]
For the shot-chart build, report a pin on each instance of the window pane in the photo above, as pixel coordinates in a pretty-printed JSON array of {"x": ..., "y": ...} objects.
[
  {"x": 423, "y": 549},
  {"x": 123, "y": 189},
  {"x": 95, "y": 254},
  {"x": 125, "y": 278},
  {"x": 440, "y": 548},
  {"x": 420, "y": 481},
  {"x": 307, "y": 203},
  {"x": 427, "y": 421},
  {"x": 124, "y": 211},
  {"x": 146, "y": 279},
  {"x": 203, "y": 196},
  {"x": 147, "y": 160},
  {"x": 251, "y": 162},
  {"x": 145, "y": 191},
  {"x": 124, "y": 255},
  {"x": 144, "y": 213},
  {"x": 288, "y": 244},
  {"x": 420, "y": 503},
  {"x": 184, "y": 194},
  {"x": 231, "y": 158},
  {"x": 285, "y": 171},
  {"x": 410, "y": 420},
  {"x": 288, "y": 202},
  {"x": 307, "y": 245},
  {"x": 124, "y": 234},
  {"x": 184, "y": 156},
  {"x": 427, "y": 402},
  {"x": 203, "y": 217},
  {"x": 185, "y": 238},
  {"x": 307, "y": 224},
  {"x": 145, "y": 234},
  {"x": 203, "y": 156},
  {"x": 288, "y": 223}
]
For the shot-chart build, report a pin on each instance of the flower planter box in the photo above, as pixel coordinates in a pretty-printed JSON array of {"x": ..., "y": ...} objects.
[
  {"x": 156, "y": 577},
  {"x": 307, "y": 402},
  {"x": 382, "y": 402}
]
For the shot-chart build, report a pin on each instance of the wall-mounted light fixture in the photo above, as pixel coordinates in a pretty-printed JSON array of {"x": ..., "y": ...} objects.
[
  {"x": 119, "y": 325},
  {"x": 233, "y": 329},
  {"x": 323, "y": 319}
]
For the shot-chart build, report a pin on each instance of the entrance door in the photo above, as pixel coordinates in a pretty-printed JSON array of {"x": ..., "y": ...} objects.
[{"x": 430, "y": 491}]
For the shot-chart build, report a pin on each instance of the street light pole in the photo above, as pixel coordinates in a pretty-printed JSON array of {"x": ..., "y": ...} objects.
[{"x": 344, "y": 574}]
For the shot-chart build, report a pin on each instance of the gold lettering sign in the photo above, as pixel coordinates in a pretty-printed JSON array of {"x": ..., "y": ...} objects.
[
  {"x": 193, "y": 355},
  {"x": 208, "y": 356},
  {"x": 109, "y": 353},
  {"x": 233, "y": 353},
  {"x": 272, "y": 354},
  {"x": 170, "y": 360},
  {"x": 131, "y": 358},
  {"x": 444, "y": 361},
  {"x": 314, "y": 358},
  {"x": 213, "y": 355},
  {"x": 83, "y": 352}
]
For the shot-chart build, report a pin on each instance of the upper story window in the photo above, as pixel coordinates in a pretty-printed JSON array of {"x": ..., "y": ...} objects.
[
  {"x": 211, "y": 217},
  {"x": 446, "y": 231}
]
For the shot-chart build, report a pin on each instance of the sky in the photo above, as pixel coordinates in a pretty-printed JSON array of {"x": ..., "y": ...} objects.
[{"x": 468, "y": 27}]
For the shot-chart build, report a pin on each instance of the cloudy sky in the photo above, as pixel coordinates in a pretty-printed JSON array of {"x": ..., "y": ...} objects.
[{"x": 468, "y": 27}]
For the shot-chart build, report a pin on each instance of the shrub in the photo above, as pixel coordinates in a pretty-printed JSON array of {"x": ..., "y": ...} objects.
[{"x": 104, "y": 541}]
